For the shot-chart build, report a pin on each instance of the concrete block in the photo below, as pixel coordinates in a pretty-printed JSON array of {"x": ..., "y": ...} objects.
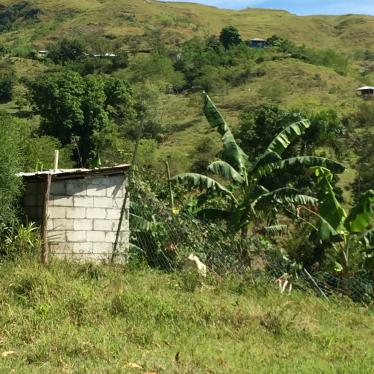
[
  {"x": 56, "y": 236},
  {"x": 60, "y": 224},
  {"x": 110, "y": 237},
  {"x": 58, "y": 188},
  {"x": 83, "y": 224},
  {"x": 113, "y": 213},
  {"x": 96, "y": 190},
  {"x": 82, "y": 247},
  {"x": 61, "y": 200},
  {"x": 102, "y": 247},
  {"x": 83, "y": 201},
  {"x": 116, "y": 180},
  {"x": 76, "y": 236},
  {"x": 103, "y": 202},
  {"x": 66, "y": 248},
  {"x": 75, "y": 213},
  {"x": 56, "y": 212},
  {"x": 102, "y": 225},
  {"x": 49, "y": 224},
  {"x": 114, "y": 191},
  {"x": 96, "y": 236},
  {"x": 95, "y": 213},
  {"x": 76, "y": 188}
]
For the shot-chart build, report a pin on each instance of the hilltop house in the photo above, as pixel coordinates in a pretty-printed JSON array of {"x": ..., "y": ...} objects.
[
  {"x": 79, "y": 211},
  {"x": 366, "y": 91},
  {"x": 257, "y": 43}
]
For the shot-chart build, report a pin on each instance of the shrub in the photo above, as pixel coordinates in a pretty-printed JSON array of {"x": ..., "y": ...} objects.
[
  {"x": 10, "y": 161},
  {"x": 7, "y": 81}
]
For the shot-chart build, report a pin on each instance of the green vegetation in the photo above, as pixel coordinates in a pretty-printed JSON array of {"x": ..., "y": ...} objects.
[
  {"x": 85, "y": 318},
  {"x": 273, "y": 205},
  {"x": 10, "y": 161}
]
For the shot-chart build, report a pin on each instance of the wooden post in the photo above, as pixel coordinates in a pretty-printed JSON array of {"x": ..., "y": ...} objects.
[
  {"x": 170, "y": 186},
  {"x": 45, "y": 249},
  {"x": 55, "y": 163}
]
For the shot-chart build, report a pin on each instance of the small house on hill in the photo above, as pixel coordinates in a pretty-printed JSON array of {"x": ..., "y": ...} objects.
[
  {"x": 80, "y": 211},
  {"x": 257, "y": 43},
  {"x": 366, "y": 91}
]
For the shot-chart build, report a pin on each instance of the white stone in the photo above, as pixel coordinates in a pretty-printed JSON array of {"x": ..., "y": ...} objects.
[
  {"x": 114, "y": 191},
  {"x": 83, "y": 201},
  {"x": 96, "y": 236},
  {"x": 60, "y": 200},
  {"x": 56, "y": 212},
  {"x": 75, "y": 212},
  {"x": 76, "y": 236},
  {"x": 83, "y": 224},
  {"x": 95, "y": 213},
  {"x": 62, "y": 224},
  {"x": 110, "y": 237},
  {"x": 103, "y": 247},
  {"x": 96, "y": 190},
  {"x": 103, "y": 202},
  {"x": 82, "y": 247},
  {"x": 56, "y": 236},
  {"x": 102, "y": 225},
  {"x": 113, "y": 213}
]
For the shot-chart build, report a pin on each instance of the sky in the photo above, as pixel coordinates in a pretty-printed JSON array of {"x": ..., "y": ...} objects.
[{"x": 300, "y": 7}]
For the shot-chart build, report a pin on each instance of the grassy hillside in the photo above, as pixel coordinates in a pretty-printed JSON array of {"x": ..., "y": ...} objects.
[
  {"x": 87, "y": 319},
  {"x": 121, "y": 18},
  {"x": 132, "y": 25}
]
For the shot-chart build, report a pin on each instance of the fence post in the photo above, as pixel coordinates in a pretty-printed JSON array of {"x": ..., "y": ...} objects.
[{"x": 45, "y": 249}]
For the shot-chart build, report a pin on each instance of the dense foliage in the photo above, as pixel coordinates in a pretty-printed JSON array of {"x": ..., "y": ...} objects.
[
  {"x": 83, "y": 111},
  {"x": 10, "y": 163}
]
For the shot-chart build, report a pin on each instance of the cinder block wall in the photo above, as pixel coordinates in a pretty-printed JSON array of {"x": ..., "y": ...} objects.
[{"x": 83, "y": 216}]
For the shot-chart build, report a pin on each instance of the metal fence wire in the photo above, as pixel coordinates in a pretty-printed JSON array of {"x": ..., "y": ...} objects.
[{"x": 164, "y": 240}]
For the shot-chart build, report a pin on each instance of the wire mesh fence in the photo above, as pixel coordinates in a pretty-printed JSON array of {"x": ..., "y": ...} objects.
[{"x": 165, "y": 240}]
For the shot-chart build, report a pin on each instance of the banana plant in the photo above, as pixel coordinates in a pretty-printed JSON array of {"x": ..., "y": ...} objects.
[
  {"x": 347, "y": 232},
  {"x": 244, "y": 201}
]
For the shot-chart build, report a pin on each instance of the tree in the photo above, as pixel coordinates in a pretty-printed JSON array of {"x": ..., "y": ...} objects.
[
  {"x": 244, "y": 200},
  {"x": 258, "y": 128},
  {"x": 7, "y": 81},
  {"x": 78, "y": 110},
  {"x": 10, "y": 164},
  {"x": 230, "y": 36},
  {"x": 349, "y": 233},
  {"x": 66, "y": 50}
]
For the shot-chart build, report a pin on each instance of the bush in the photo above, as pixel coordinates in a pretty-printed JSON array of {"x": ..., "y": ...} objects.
[
  {"x": 10, "y": 161},
  {"x": 7, "y": 81}
]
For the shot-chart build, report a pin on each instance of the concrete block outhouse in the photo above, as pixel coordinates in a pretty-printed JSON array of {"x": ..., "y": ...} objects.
[{"x": 82, "y": 211}]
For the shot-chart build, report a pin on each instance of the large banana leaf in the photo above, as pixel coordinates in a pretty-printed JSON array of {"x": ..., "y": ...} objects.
[
  {"x": 287, "y": 136},
  {"x": 361, "y": 214},
  {"x": 231, "y": 151},
  {"x": 332, "y": 214},
  {"x": 305, "y": 161},
  {"x": 201, "y": 182},
  {"x": 284, "y": 195},
  {"x": 266, "y": 159},
  {"x": 226, "y": 171}
]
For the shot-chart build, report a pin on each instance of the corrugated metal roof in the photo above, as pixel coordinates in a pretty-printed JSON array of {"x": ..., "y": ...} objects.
[
  {"x": 365, "y": 88},
  {"x": 77, "y": 173}
]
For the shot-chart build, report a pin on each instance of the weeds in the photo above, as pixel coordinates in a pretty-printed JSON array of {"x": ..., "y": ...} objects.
[{"x": 87, "y": 319}]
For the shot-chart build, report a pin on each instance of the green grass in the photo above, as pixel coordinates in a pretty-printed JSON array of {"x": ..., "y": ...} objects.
[{"x": 90, "y": 319}]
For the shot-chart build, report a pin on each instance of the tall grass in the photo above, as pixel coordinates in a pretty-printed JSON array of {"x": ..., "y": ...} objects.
[{"x": 99, "y": 319}]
